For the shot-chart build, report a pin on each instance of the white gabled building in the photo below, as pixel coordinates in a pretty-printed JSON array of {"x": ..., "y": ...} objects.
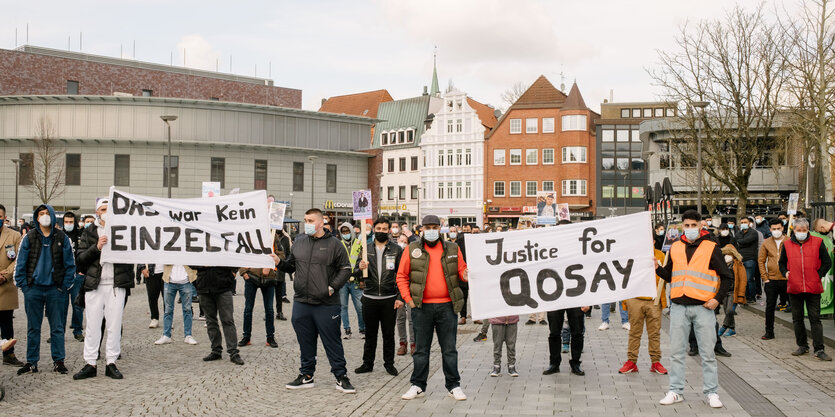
[{"x": 452, "y": 175}]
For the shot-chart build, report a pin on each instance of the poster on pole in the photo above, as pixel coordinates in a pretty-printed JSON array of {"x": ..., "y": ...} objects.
[
  {"x": 573, "y": 265},
  {"x": 277, "y": 211},
  {"x": 563, "y": 213},
  {"x": 362, "y": 204},
  {"x": 210, "y": 189},
  {"x": 794, "y": 198},
  {"x": 230, "y": 230},
  {"x": 546, "y": 207}
]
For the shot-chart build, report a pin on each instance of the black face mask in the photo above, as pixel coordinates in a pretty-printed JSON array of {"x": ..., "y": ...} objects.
[
  {"x": 430, "y": 244},
  {"x": 381, "y": 237}
]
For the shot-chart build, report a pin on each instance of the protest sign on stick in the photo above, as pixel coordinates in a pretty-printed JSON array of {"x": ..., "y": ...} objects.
[{"x": 362, "y": 211}]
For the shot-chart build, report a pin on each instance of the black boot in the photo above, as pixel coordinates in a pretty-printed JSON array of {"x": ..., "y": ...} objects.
[
  {"x": 576, "y": 369},
  {"x": 551, "y": 369}
]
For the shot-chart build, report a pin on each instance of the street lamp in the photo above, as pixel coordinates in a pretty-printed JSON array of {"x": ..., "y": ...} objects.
[
  {"x": 168, "y": 120},
  {"x": 312, "y": 159},
  {"x": 699, "y": 105},
  {"x": 16, "y": 182}
]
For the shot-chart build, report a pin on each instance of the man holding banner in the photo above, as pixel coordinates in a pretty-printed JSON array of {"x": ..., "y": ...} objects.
[{"x": 699, "y": 279}]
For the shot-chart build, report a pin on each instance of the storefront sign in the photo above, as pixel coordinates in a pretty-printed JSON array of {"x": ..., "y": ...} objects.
[
  {"x": 509, "y": 209},
  {"x": 330, "y": 204}
]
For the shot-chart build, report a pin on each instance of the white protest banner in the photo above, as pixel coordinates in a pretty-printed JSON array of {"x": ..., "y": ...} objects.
[
  {"x": 362, "y": 205},
  {"x": 572, "y": 265},
  {"x": 277, "y": 211},
  {"x": 230, "y": 230}
]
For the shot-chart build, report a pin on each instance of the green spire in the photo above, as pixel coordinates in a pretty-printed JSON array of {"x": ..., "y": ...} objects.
[{"x": 435, "y": 90}]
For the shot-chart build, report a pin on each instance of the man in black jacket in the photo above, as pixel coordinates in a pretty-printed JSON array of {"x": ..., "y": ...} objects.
[
  {"x": 73, "y": 231},
  {"x": 105, "y": 287},
  {"x": 748, "y": 240},
  {"x": 322, "y": 267},
  {"x": 214, "y": 286},
  {"x": 381, "y": 299}
]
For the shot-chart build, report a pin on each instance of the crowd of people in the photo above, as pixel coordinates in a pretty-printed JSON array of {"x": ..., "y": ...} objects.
[{"x": 414, "y": 280}]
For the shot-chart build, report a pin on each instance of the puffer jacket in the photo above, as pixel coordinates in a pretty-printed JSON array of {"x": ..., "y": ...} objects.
[
  {"x": 385, "y": 285},
  {"x": 318, "y": 263},
  {"x": 88, "y": 263}
]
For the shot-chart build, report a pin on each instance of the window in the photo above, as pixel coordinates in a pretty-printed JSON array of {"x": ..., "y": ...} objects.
[
  {"x": 260, "y": 174},
  {"x": 217, "y": 171},
  {"x": 531, "y": 125},
  {"x": 498, "y": 189},
  {"x": 384, "y": 138},
  {"x": 410, "y": 136},
  {"x": 449, "y": 190},
  {"x": 608, "y": 191},
  {"x": 458, "y": 190},
  {"x": 516, "y": 188},
  {"x": 548, "y": 156},
  {"x": 670, "y": 112},
  {"x": 449, "y": 158},
  {"x": 391, "y": 193},
  {"x": 547, "y": 125},
  {"x": 624, "y": 113},
  {"x": 414, "y": 163},
  {"x": 530, "y": 188},
  {"x": 401, "y": 137},
  {"x": 121, "y": 177},
  {"x": 173, "y": 169},
  {"x": 330, "y": 178},
  {"x": 531, "y": 156},
  {"x": 414, "y": 192},
  {"x": 515, "y": 157},
  {"x": 72, "y": 88},
  {"x": 623, "y": 135},
  {"x": 459, "y": 125},
  {"x": 515, "y": 126},
  {"x": 574, "y": 122},
  {"x": 659, "y": 112},
  {"x": 147, "y": 93},
  {"x": 647, "y": 112},
  {"x": 441, "y": 190},
  {"x": 574, "y": 187},
  {"x": 607, "y": 163},
  {"x": 73, "y": 169},
  {"x": 498, "y": 156},
  {"x": 573, "y": 154},
  {"x": 390, "y": 163},
  {"x": 402, "y": 164},
  {"x": 459, "y": 155},
  {"x": 547, "y": 185},
  {"x": 636, "y": 112},
  {"x": 664, "y": 155},
  {"x": 26, "y": 168},
  {"x": 468, "y": 157},
  {"x": 608, "y": 135},
  {"x": 468, "y": 190},
  {"x": 298, "y": 176},
  {"x": 401, "y": 192},
  {"x": 449, "y": 126},
  {"x": 441, "y": 158}
]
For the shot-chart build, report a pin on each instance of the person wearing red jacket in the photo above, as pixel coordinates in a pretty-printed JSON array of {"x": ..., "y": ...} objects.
[{"x": 803, "y": 261}]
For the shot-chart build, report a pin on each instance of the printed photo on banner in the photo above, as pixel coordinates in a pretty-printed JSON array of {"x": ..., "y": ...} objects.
[
  {"x": 546, "y": 207},
  {"x": 563, "y": 213},
  {"x": 210, "y": 189},
  {"x": 231, "y": 230},
  {"x": 570, "y": 265},
  {"x": 277, "y": 211},
  {"x": 362, "y": 204}
]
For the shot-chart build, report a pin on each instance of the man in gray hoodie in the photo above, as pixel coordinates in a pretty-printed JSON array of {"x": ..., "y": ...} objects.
[{"x": 351, "y": 291}]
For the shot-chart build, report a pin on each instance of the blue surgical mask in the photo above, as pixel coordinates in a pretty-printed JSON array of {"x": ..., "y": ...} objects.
[
  {"x": 346, "y": 236},
  {"x": 801, "y": 236},
  {"x": 730, "y": 225},
  {"x": 660, "y": 232},
  {"x": 431, "y": 235},
  {"x": 86, "y": 225},
  {"x": 69, "y": 227},
  {"x": 692, "y": 234},
  {"x": 453, "y": 235},
  {"x": 743, "y": 226},
  {"x": 309, "y": 229}
]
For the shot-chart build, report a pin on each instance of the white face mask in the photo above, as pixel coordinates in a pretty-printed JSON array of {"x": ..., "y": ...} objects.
[
  {"x": 801, "y": 236},
  {"x": 777, "y": 234},
  {"x": 103, "y": 217},
  {"x": 728, "y": 259},
  {"x": 44, "y": 220},
  {"x": 724, "y": 232}
]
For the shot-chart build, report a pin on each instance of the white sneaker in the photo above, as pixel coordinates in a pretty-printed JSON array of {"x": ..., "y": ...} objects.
[
  {"x": 154, "y": 324},
  {"x": 673, "y": 398},
  {"x": 626, "y": 326},
  {"x": 603, "y": 326},
  {"x": 458, "y": 394},
  {"x": 163, "y": 340},
  {"x": 713, "y": 400},
  {"x": 412, "y": 393},
  {"x": 190, "y": 340}
]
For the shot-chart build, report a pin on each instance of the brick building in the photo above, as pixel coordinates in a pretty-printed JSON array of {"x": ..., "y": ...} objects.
[
  {"x": 544, "y": 142},
  {"x": 31, "y": 70}
]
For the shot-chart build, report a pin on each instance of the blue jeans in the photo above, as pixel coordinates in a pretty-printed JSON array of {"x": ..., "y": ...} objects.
[
  {"x": 440, "y": 319},
  {"x": 753, "y": 283},
  {"x": 268, "y": 294},
  {"x": 604, "y": 313},
  {"x": 77, "y": 324},
  {"x": 170, "y": 291},
  {"x": 704, "y": 325},
  {"x": 36, "y": 298},
  {"x": 351, "y": 289}
]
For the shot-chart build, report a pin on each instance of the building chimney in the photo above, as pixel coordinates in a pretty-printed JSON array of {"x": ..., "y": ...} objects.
[
  {"x": 425, "y": 91},
  {"x": 612, "y": 95},
  {"x": 323, "y": 101}
]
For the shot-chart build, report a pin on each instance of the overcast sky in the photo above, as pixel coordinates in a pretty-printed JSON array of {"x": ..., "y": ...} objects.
[{"x": 329, "y": 48}]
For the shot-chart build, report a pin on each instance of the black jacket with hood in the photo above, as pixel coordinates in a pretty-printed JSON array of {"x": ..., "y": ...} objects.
[
  {"x": 73, "y": 234},
  {"x": 385, "y": 285},
  {"x": 87, "y": 260},
  {"x": 318, "y": 263}
]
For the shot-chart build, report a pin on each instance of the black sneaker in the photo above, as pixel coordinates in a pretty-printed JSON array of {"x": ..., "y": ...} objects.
[
  {"x": 344, "y": 384},
  {"x": 722, "y": 352},
  {"x": 29, "y": 368},
  {"x": 280, "y": 316},
  {"x": 800, "y": 351},
  {"x": 79, "y": 337},
  {"x": 244, "y": 341},
  {"x": 60, "y": 368},
  {"x": 362, "y": 334},
  {"x": 481, "y": 337},
  {"x": 529, "y": 322},
  {"x": 391, "y": 370},
  {"x": 236, "y": 359},
  {"x": 212, "y": 357},
  {"x": 301, "y": 382},
  {"x": 112, "y": 371},
  {"x": 88, "y": 371},
  {"x": 12, "y": 360},
  {"x": 363, "y": 369},
  {"x": 551, "y": 369},
  {"x": 821, "y": 355},
  {"x": 347, "y": 335},
  {"x": 693, "y": 352},
  {"x": 271, "y": 342},
  {"x": 767, "y": 336}
]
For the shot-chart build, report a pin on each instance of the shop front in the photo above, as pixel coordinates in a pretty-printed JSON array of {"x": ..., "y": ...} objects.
[{"x": 400, "y": 212}]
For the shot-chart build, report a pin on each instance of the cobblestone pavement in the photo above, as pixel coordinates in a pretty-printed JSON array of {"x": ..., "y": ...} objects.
[{"x": 172, "y": 379}]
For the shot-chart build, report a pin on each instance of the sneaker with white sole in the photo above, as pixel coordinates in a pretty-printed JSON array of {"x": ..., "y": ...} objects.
[
  {"x": 626, "y": 326},
  {"x": 672, "y": 398},
  {"x": 154, "y": 324},
  {"x": 344, "y": 384},
  {"x": 163, "y": 340},
  {"x": 189, "y": 340},
  {"x": 713, "y": 400},
  {"x": 603, "y": 326},
  {"x": 301, "y": 382},
  {"x": 458, "y": 394},
  {"x": 497, "y": 371},
  {"x": 412, "y": 393}
]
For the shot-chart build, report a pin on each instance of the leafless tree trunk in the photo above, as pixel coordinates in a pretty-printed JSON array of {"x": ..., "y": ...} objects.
[
  {"x": 513, "y": 93},
  {"x": 736, "y": 64},
  {"x": 48, "y": 169}
]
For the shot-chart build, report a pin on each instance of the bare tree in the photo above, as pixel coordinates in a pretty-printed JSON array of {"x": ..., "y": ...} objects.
[
  {"x": 513, "y": 93},
  {"x": 48, "y": 162},
  {"x": 736, "y": 64}
]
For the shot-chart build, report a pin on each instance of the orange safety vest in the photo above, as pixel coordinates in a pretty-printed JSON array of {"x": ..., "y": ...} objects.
[{"x": 693, "y": 279}]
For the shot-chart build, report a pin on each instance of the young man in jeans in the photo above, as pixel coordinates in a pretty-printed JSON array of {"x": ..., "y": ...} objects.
[
  {"x": 699, "y": 280},
  {"x": 177, "y": 279},
  {"x": 773, "y": 280}
]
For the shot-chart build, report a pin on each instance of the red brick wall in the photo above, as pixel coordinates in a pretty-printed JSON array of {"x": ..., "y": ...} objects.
[
  {"x": 502, "y": 139},
  {"x": 23, "y": 73}
]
